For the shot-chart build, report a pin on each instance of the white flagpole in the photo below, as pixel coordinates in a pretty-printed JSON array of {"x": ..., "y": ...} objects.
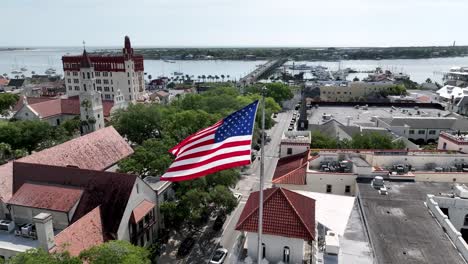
[{"x": 262, "y": 170}]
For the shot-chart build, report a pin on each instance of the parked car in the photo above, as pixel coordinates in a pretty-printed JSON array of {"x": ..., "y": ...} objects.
[
  {"x": 219, "y": 221},
  {"x": 238, "y": 196},
  {"x": 185, "y": 247},
  {"x": 219, "y": 256}
]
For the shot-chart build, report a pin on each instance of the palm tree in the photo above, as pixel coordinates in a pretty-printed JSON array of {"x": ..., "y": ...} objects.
[
  {"x": 198, "y": 77},
  {"x": 203, "y": 77},
  {"x": 222, "y": 77},
  {"x": 210, "y": 77},
  {"x": 217, "y": 78},
  {"x": 150, "y": 77},
  {"x": 227, "y": 76}
]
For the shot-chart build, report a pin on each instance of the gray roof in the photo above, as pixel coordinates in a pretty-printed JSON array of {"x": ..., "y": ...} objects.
[
  {"x": 422, "y": 122},
  {"x": 400, "y": 228},
  {"x": 336, "y": 129}
]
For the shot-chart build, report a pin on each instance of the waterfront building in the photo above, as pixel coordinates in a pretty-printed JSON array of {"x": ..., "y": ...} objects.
[
  {"x": 113, "y": 74},
  {"x": 351, "y": 91}
]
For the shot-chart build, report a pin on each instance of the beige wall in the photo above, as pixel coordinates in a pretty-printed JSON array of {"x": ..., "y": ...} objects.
[
  {"x": 24, "y": 215},
  {"x": 351, "y": 91},
  {"x": 274, "y": 246}
]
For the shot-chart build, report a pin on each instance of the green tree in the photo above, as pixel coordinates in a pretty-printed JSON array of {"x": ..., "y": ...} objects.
[
  {"x": 428, "y": 80},
  {"x": 223, "y": 199},
  {"x": 7, "y": 100},
  {"x": 72, "y": 126},
  {"x": 39, "y": 256},
  {"x": 116, "y": 251}
]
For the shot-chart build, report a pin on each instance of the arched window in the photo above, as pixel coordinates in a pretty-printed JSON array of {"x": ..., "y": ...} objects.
[
  {"x": 84, "y": 87},
  {"x": 286, "y": 254},
  {"x": 89, "y": 76},
  {"x": 263, "y": 250}
]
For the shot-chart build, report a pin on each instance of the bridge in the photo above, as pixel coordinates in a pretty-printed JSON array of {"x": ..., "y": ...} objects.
[{"x": 261, "y": 71}]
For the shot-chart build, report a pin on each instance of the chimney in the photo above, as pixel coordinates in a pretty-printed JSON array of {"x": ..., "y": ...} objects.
[{"x": 44, "y": 230}]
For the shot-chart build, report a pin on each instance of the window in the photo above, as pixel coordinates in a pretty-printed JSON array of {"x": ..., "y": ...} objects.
[
  {"x": 432, "y": 132},
  {"x": 105, "y": 74},
  {"x": 98, "y": 74},
  {"x": 137, "y": 189},
  {"x": 112, "y": 89},
  {"x": 76, "y": 81},
  {"x": 84, "y": 75},
  {"x": 84, "y": 87},
  {"x": 129, "y": 90},
  {"x": 106, "y": 81},
  {"x": 421, "y": 132},
  {"x": 338, "y": 92},
  {"x": 68, "y": 73},
  {"x": 263, "y": 250},
  {"x": 58, "y": 122},
  {"x": 89, "y": 75},
  {"x": 466, "y": 220},
  {"x": 130, "y": 97},
  {"x": 347, "y": 189},
  {"x": 99, "y": 88},
  {"x": 128, "y": 74},
  {"x": 128, "y": 82},
  {"x": 289, "y": 151},
  {"x": 411, "y": 132},
  {"x": 106, "y": 88},
  {"x": 75, "y": 73},
  {"x": 98, "y": 81},
  {"x": 444, "y": 146},
  {"x": 147, "y": 235},
  {"x": 110, "y": 74},
  {"x": 286, "y": 254},
  {"x": 77, "y": 88},
  {"x": 329, "y": 188},
  {"x": 107, "y": 96},
  {"x": 69, "y": 80},
  {"x": 69, "y": 88}
]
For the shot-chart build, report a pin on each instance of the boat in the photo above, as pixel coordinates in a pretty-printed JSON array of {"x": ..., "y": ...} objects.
[
  {"x": 33, "y": 72},
  {"x": 24, "y": 69},
  {"x": 16, "y": 72},
  {"x": 178, "y": 73},
  {"x": 50, "y": 71},
  {"x": 168, "y": 61}
]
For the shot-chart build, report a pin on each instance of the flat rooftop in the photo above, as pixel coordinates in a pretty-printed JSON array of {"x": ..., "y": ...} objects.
[
  {"x": 400, "y": 228},
  {"x": 363, "y": 117},
  {"x": 9, "y": 241}
]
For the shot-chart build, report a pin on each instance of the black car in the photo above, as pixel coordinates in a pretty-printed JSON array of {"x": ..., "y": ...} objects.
[
  {"x": 185, "y": 247},
  {"x": 219, "y": 221}
]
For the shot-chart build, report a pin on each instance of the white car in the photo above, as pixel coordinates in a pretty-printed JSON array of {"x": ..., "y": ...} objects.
[
  {"x": 219, "y": 256},
  {"x": 238, "y": 196}
]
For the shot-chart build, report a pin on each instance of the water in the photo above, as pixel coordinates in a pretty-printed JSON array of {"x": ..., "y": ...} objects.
[
  {"x": 418, "y": 69},
  {"x": 39, "y": 60}
]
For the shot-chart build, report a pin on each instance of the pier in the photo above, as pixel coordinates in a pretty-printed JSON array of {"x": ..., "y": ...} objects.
[{"x": 261, "y": 71}]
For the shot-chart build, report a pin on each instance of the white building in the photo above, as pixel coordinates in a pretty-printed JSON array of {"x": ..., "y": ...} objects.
[
  {"x": 288, "y": 229},
  {"x": 114, "y": 74},
  {"x": 294, "y": 142}
]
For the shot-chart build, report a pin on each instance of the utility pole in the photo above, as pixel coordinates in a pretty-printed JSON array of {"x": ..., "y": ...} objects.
[{"x": 262, "y": 171}]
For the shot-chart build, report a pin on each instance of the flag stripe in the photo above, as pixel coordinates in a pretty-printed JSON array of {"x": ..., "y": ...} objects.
[
  {"x": 207, "y": 160},
  {"x": 206, "y": 172},
  {"x": 229, "y": 145},
  {"x": 200, "y": 133},
  {"x": 243, "y": 139},
  {"x": 207, "y": 166},
  {"x": 209, "y": 139}
]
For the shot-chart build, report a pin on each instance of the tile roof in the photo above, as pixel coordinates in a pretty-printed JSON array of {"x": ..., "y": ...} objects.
[
  {"x": 285, "y": 213},
  {"x": 97, "y": 151},
  {"x": 292, "y": 169},
  {"x": 141, "y": 210},
  {"x": 51, "y": 197},
  {"x": 31, "y": 100},
  {"x": 108, "y": 189},
  {"x": 81, "y": 235}
]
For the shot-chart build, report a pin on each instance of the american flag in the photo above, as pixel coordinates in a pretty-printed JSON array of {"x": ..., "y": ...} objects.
[{"x": 221, "y": 146}]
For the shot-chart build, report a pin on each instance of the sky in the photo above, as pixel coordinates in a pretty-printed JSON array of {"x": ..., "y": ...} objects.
[{"x": 232, "y": 23}]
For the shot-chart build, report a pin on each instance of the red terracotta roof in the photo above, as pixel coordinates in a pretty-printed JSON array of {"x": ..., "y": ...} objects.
[
  {"x": 285, "y": 213},
  {"x": 51, "y": 197},
  {"x": 48, "y": 107},
  {"x": 97, "y": 151},
  {"x": 81, "y": 235},
  {"x": 292, "y": 169},
  {"x": 141, "y": 210},
  {"x": 6, "y": 181},
  {"x": 108, "y": 189},
  {"x": 4, "y": 81}
]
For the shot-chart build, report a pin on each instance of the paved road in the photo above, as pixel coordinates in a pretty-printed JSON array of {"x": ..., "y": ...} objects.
[{"x": 249, "y": 182}]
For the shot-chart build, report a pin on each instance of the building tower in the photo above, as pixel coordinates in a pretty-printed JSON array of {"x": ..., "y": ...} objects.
[
  {"x": 303, "y": 123},
  {"x": 91, "y": 111},
  {"x": 129, "y": 64}
]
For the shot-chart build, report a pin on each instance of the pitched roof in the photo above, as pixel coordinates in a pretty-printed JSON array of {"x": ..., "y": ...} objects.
[
  {"x": 31, "y": 100},
  {"x": 81, "y": 235},
  {"x": 59, "y": 106},
  {"x": 51, "y": 197},
  {"x": 285, "y": 213},
  {"x": 108, "y": 189},
  {"x": 16, "y": 82},
  {"x": 292, "y": 169},
  {"x": 85, "y": 61},
  {"x": 334, "y": 128},
  {"x": 97, "y": 151},
  {"x": 141, "y": 210},
  {"x": 422, "y": 122}
]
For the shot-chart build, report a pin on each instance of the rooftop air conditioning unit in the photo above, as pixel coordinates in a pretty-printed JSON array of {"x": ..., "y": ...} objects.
[
  {"x": 332, "y": 245},
  {"x": 461, "y": 191},
  {"x": 7, "y": 225}
]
